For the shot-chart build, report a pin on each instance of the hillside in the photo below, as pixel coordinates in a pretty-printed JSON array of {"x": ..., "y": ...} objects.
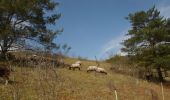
[{"x": 63, "y": 84}]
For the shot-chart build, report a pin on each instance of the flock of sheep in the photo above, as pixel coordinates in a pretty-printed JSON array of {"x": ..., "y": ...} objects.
[
  {"x": 77, "y": 65},
  {"x": 5, "y": 70}
]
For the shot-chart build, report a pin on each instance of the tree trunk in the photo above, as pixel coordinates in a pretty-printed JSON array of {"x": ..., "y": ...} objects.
[
  {"x": 3, "y": 53},
  {"x": 6, "y": 43},
  {"x": 161, "y": 79}
]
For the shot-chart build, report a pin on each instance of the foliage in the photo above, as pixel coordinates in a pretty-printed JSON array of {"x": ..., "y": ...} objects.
[
  {"x": 117, "y": 59},
  {"x": 22, "y": 20},
  {"x": 149, "y": 42}
]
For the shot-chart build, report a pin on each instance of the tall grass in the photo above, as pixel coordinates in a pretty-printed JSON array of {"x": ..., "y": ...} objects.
[{"x": 51, "y": 83}]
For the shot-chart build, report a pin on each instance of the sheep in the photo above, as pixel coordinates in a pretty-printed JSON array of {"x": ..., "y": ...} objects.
[
  {"x": 4, "y": 73},
  {"x": 74, "y": 66},
  {"x": 34, "y": 55},
  {"x": 78, "y": 62},
  {"x": 34, "y": 59},
  {"x": 97, "y": 69},
  {"x": 91, "y": 68},
  {"x": 101, "y": 70}
]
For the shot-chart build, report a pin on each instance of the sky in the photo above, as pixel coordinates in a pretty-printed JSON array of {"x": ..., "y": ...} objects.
[{"x": 97, "y": 27}]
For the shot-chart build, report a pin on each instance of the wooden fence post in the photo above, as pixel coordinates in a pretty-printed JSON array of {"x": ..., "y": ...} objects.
[
  {"x": 162, "y": 91},
  {"x": 116, "y": 94}
]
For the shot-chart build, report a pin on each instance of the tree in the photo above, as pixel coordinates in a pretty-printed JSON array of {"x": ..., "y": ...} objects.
[
  {"x": 27, "y": 19},
  {"x": 149, "y": 40}
]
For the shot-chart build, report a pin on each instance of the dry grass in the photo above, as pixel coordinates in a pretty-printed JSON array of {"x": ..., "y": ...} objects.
[{"x": 64, "y": 84}]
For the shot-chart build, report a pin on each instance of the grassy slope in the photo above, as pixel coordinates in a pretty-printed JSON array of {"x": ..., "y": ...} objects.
[{"x": 64, "y": 84}]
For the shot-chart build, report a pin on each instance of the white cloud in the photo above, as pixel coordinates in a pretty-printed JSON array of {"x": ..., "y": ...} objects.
[
  {"x": 113, "y": 46},
  {"x": 164, "y": 9}
]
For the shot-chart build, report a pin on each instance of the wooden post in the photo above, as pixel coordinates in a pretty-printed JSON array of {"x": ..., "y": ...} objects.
[
  {"x": 116, "y": 94},
  {"x": 113, "y": 89},
  {"x": 162, "y": 91}
]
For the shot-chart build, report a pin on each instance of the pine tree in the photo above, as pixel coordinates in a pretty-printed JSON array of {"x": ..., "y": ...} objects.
[
  {"x": 27, "y": 19},
  {"x": 149, "y": 40}
]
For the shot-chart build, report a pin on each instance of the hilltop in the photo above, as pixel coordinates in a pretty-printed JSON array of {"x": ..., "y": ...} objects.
[{"x": 29, "y": 83}]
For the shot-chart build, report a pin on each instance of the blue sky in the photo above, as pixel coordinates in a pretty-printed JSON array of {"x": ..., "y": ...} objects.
[{"x": 96, "y": 27}]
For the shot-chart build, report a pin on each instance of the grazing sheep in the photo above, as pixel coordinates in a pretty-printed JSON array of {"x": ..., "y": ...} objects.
[
  {"x": 74, "y": 66},
  {"x": 78, "y": 62},
  {"x": 34, "y": 55},
  {"x": 97, "y": 69},
  {"x": 91, "y": 68},
  {"x": 34, "y": 59},
  {"x": 101, "y": 70},
  {"x": 4, "y": 73}
]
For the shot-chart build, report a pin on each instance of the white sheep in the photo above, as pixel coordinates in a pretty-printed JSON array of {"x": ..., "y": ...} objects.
[
  {"x": 97, "y": 69},
  {"x": 74, "y": 66},
  {"x": 34, "y": 55},
  {"x": 101, "y": 70},
  {"x": 91, "y": 68},
  {"x": 78, "y": 62}
]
